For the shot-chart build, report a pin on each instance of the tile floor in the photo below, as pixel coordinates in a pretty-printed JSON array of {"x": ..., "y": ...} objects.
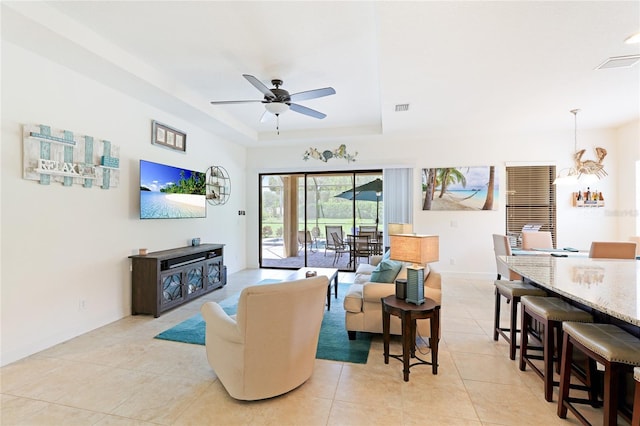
[{"x": 120, "y": 375}]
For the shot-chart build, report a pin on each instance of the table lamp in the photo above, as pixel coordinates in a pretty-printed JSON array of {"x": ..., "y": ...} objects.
[
  {"x": 399, "y": 228},
  {"x": 395, "y": 229},
  {"x": 419, "y": 250}
]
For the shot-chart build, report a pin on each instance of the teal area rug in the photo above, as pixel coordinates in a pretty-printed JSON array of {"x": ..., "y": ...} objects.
[{"x": 333, "y": 344}]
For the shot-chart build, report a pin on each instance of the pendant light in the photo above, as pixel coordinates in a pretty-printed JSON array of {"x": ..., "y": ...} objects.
[
  {"x": 585, "y": 171},
  {"x": 570, "y": 175}
]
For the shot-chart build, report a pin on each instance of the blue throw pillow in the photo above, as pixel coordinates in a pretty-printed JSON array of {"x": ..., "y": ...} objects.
[
  {"x": 386, "y": 271},
  {"x": 386, "y": 255}
]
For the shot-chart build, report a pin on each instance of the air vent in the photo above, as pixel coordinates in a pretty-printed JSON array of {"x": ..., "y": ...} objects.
[
  {"x": 619, "y": 62},
  {"x": 402, "y": 107}
]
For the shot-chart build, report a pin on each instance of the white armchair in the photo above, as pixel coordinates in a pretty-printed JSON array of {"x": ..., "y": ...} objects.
[{"x": 269, "y": 347}]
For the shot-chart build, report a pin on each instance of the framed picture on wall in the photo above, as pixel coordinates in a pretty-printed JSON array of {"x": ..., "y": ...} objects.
[
  {"x": 168, "y": 137},
  {"x": 460, "y": 188}
]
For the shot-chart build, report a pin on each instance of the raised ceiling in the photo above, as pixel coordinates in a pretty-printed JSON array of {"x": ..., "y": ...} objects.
[{"x": 489, "y": 67}]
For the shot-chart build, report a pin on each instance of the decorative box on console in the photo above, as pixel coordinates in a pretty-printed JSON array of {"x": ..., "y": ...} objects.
[{"x": 401, "y": 289}]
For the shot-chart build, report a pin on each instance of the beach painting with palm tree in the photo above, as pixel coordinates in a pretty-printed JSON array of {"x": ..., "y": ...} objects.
[{"x": 460, "y": 188}]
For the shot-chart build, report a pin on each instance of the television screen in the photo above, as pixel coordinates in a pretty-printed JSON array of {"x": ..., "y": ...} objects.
[{"x": 168, "y": 192}]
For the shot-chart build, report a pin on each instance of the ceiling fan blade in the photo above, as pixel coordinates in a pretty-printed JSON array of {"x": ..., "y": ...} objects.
[
  {"x": 266, "y": 115},
  {"x": 312, "y": 94},
  {"x": 258, "y": 85},
  {"x": 234, "y": 102},
  {"x": 306, "y": 111}
]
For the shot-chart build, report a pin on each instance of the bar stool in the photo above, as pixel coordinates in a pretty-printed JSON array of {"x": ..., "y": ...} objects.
[
  {"x": 550, "y": 312},
  {"x": 512, "y": 291},
  {"x": 607, "y": 344},
  {"x": 636, "y": 399}
]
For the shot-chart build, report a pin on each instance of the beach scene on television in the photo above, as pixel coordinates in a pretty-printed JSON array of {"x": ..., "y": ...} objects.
[
  {"x": 460, "y": 188},
  {"x": 168, "y": 192}
]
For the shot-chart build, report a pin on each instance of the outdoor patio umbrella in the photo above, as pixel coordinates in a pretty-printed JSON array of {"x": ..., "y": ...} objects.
[{"x": 370, "y": 191}]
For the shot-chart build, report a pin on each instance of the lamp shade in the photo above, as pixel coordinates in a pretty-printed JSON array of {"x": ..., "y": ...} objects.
[
  {"x": 399, "y": 228},
  {"x": 417, "y": 249}
]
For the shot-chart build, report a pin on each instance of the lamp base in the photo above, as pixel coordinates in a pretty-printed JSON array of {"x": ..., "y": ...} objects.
[{"x": 415, "y": 285}]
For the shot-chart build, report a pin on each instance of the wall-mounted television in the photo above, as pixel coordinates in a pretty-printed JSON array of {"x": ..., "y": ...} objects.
[{"x": 168, "y": 192}]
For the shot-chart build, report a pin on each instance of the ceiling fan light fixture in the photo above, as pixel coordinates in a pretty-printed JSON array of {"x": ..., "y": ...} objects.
[{"x": 276, "y": 108}]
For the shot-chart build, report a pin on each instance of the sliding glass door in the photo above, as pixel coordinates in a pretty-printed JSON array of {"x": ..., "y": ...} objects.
[{"x": 307, "y": 218}]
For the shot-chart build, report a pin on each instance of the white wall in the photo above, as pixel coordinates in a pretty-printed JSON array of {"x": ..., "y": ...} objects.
[
  {"x": 626, "y": 213},
  {"x": 465, "y": 237},
  {"x": 61, "y": 245}
]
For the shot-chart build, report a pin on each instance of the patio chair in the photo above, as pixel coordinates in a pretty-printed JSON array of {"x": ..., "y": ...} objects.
[
  {"x": 373, "y": 229},
  {"x": 340, "y": 248},
  {"x": 305, "y": 239},
  {"x": 361, "y": 247},
  {"x": 331, "y": 243},
  {"x": 375, "y": 241}
]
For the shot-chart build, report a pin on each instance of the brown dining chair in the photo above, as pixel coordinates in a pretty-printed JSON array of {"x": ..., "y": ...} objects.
[
  {"x": 512, "y": 291},
  {"x": 537, "y": 240},
  {"x": 617, "y": 352},
  {"x": 501, "y": 247},
  {"x": 637, "y": 241},
  {"x": 613, "y": 250},
  {"x": 635, "y": 421}
]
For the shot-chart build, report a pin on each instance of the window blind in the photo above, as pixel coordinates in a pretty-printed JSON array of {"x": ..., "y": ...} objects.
[{"x": 531, "y": 199}]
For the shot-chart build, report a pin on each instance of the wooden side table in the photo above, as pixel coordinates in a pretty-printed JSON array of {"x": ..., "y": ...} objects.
[{"x": 408, "y": 314}]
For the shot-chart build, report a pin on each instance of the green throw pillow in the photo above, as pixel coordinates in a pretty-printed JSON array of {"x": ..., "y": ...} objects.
[
  {"x": 386, "y": 271},
  {"x": 386, "y": 255}
]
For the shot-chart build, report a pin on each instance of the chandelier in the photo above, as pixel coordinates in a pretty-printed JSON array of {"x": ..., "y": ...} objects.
[{"x": 586, "y": 171}]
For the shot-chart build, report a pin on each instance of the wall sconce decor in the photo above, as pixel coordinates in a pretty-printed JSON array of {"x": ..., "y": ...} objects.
[
  {"x": 326, "y": 155},
  {"x": 62, "y": 156},
  {"x": 218, "y": 185}
]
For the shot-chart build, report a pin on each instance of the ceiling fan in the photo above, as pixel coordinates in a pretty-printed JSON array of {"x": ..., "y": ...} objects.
[{"x": 278, "y": 101}]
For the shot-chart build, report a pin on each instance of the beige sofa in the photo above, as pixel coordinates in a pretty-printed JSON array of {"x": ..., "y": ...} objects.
[
  {"x": 269, "y": 347},
  {"x": 363, "y": 309}
]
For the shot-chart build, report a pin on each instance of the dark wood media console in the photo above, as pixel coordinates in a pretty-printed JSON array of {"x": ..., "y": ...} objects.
[{"x": 165, "y": 279}]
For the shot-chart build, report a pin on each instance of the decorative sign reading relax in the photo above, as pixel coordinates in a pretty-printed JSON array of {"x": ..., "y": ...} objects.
[{"x": 61, "y": 156}]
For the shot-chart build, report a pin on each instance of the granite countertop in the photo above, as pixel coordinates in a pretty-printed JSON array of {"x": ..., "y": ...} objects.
[{"x": 611, "y": 286}]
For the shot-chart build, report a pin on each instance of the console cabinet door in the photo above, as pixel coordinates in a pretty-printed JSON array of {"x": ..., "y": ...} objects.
[
  {"x": 172, "y": 290},
  {"x": 213, "y": 271},
  {"x": 194, "y": 281}
]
